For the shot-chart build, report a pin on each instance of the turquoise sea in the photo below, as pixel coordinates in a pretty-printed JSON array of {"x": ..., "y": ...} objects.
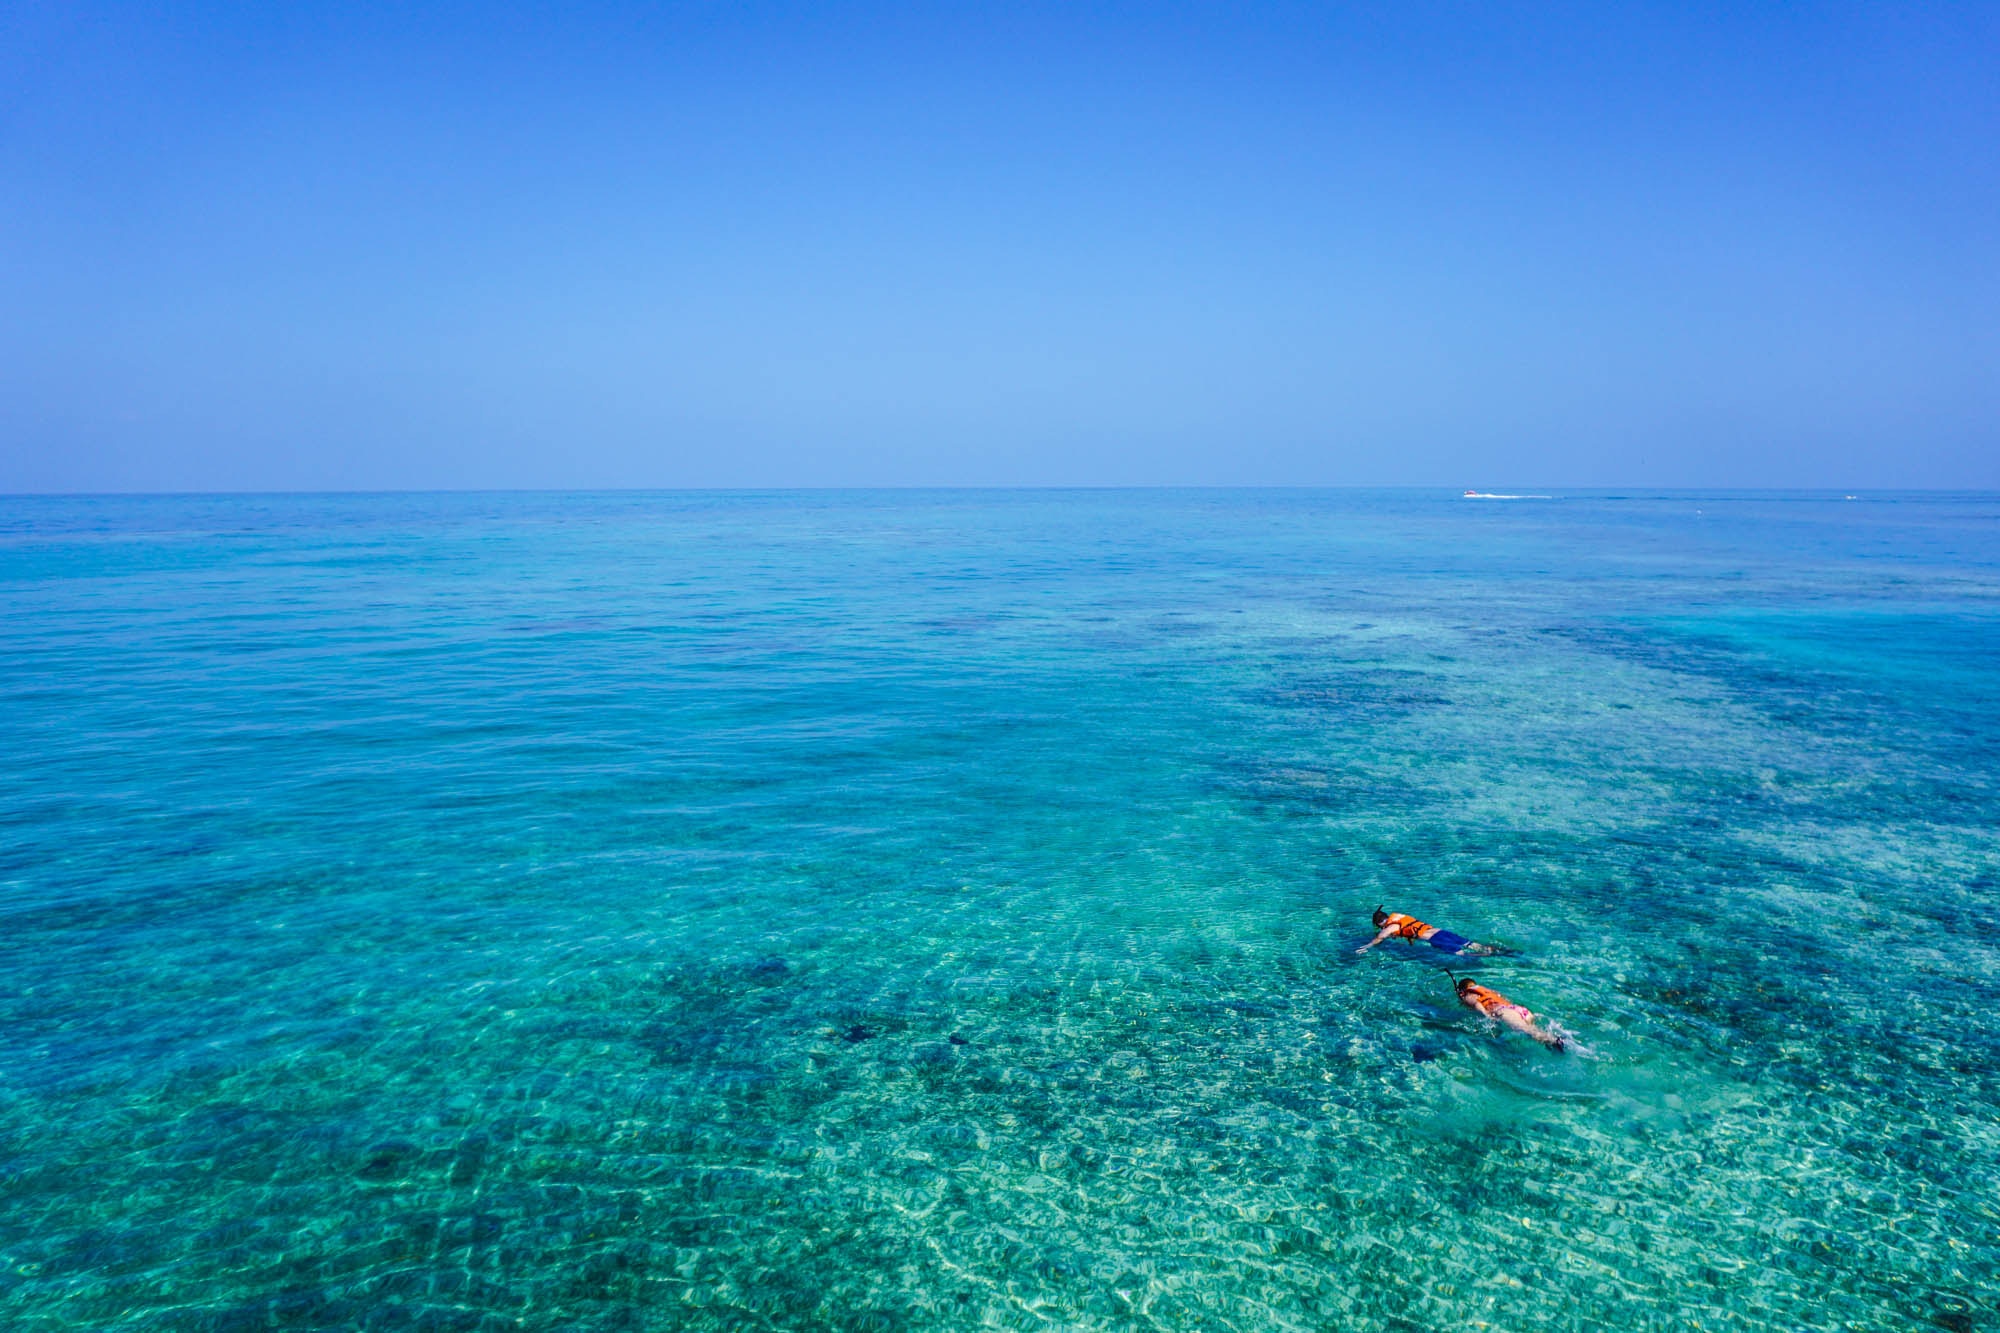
[{"x": 936, "y": 910}]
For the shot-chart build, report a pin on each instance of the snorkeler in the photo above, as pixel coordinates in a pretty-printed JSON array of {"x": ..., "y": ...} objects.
[
  {"x": 1503, "y": 1010},
  {"x": 1395, "y": 923}
]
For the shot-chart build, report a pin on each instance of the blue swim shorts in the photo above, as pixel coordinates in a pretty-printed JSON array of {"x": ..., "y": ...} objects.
[{"x": 1447, "y": 941}]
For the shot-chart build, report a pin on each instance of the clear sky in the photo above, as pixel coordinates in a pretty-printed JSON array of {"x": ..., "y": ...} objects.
[{"x": 347, "y": 246}]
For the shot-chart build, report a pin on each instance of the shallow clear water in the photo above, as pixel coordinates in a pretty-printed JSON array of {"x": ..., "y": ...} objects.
[{"x": 932, "y": 910}]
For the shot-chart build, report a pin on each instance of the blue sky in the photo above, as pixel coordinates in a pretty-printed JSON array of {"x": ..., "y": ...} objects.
[{"x": 353, "y": 247}]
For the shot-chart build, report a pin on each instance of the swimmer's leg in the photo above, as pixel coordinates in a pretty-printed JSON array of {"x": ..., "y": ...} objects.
[
  {"x": 1524, "y": 1023},
  {"x": 1452, "y": 943}
]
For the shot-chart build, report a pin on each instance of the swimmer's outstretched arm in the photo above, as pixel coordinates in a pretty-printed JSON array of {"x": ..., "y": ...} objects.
[{"x": 1387, "y": 931}]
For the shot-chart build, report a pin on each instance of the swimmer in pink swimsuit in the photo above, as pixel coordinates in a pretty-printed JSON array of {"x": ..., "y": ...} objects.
[{"x": 1504, "y": 1011}]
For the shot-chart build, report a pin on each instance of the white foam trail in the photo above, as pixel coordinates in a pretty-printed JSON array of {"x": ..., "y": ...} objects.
[{"x": 1571, "y": 1046}]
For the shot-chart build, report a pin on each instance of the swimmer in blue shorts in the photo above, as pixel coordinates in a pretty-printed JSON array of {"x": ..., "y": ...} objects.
[{"x": 1393, "y": 924}]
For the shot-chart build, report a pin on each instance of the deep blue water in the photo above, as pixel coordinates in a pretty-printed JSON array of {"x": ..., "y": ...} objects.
[{"x": 936, "y": 910}]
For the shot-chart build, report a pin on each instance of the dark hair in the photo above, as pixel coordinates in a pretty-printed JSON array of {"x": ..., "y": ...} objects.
[{"x": 1380, "y": 916}]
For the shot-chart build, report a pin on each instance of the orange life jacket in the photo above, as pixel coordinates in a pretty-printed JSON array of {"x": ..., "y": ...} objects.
[
  {"x": 1484, "y": 1000},
  {"x": 1407, "y": 926}
]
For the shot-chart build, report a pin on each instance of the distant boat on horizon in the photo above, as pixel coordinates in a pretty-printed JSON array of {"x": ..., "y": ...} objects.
[{"x": 1490, "y": 495}]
